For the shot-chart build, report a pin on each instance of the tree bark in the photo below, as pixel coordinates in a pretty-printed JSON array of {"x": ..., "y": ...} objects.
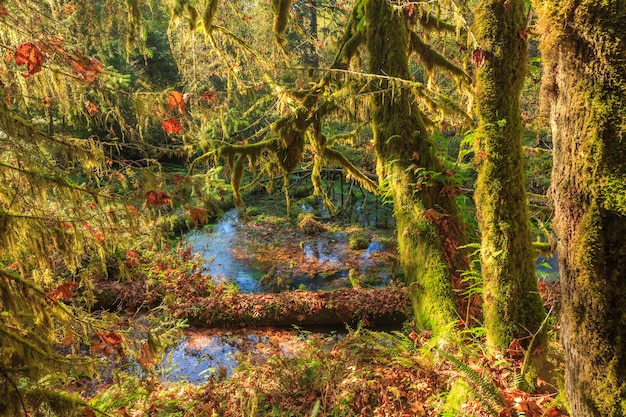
[
  {"x": 584, "y": 47},
  {"x": 512, "y": 306},
  {"x": 428, "y": 225}
]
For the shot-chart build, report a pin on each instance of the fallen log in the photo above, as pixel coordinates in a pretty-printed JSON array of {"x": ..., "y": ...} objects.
[
  {"x": 344, "y": 306},
  {"x": 221, "y": 306}
]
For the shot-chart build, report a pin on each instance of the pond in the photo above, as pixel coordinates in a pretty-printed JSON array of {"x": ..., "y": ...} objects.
[
  {"x": 287, "y": 260},
  {"x": 205, "y": 353}
]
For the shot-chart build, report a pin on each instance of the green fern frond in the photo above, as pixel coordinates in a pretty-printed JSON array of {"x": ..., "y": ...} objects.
[{"x": 486, "y": 392}]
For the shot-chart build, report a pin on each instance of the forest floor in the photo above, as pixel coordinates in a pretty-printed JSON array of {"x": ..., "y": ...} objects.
[{"x": 290, "y": 371}]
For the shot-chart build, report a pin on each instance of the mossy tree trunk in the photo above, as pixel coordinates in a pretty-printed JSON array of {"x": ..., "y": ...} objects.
[
  {"x": 429, "y": 229},
  {"x": 584, "y": 47},
  {"x": 512, "y": 307}
]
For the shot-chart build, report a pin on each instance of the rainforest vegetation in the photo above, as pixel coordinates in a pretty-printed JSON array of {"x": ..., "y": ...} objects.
[{"x": 403, "y": 173}]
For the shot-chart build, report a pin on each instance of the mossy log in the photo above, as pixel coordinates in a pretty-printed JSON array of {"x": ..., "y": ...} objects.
[
  {"x": 375, "y": 306},
  {"x": 345, "y": 306}
]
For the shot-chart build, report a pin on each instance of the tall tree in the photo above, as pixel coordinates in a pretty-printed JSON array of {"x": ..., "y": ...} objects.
[
  {"x": 512, "y": 308},
  {"x": 429, "y": 229},
  {"x": 584, "y": 48}
]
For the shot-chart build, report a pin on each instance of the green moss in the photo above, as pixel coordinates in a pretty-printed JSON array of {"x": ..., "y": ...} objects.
[
  {"x": 512, "y": 306},
  {"x": 459, "y": 393},
  {"x": 357, "y": 240},
  {"x": 401, "y": 142}
]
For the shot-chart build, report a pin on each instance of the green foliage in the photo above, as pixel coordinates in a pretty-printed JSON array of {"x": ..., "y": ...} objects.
[{"x": 485, "y": 390}]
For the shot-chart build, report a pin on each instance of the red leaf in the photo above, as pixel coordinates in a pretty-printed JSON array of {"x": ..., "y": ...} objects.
[
  {"x": 176, "y": 100},
  {"x": 87, "y": 68},
  {"x": 478, "y": 57},
  {"x": 199, "y": 215},
  {"x": 209, "y": 95},
  {"x": 172, "y": 125},
  {"x": 132, "y": 258},
  {"x": 63, "y": 292},
  {"x": 155, "y": 198},
  {"x": 94, "y": 232},
  {"x": 177, "y": 179},
  {"x": 28, "y": 54},
  {"x": 91, "y": 108},
  {"x": 3, "y": 11}
]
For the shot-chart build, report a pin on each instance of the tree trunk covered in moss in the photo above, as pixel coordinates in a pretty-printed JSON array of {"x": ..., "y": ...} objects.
[
  {"x": 584, "y": 47},
  {"x": 512, "y": 307},
  {"x": 429, "y": 230}
]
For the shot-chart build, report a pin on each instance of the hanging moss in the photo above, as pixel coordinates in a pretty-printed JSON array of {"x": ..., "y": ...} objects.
[
  {"x": 432, "y": 59},
  {"x": 208, "y": 15},
  {"x": 290, "y": 133}
]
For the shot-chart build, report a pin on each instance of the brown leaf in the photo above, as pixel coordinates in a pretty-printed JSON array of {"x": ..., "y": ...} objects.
[
  {"x": 146, "y": 359},
  {"x": 88, "y": 412},
  {"x": 91, "y": 108},
  {"x": 110, "y": 338}
]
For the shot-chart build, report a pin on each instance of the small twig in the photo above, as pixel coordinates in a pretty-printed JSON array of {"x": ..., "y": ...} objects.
[
  {"x": 532, "y": 342},
  {"x": 19, "y": 395}
]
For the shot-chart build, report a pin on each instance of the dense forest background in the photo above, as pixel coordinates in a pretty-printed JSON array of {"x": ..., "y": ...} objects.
[{"x": 493, "y": 130}]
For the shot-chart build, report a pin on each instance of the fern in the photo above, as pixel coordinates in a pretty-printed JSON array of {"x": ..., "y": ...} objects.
[{"x": 483, "y": 389}]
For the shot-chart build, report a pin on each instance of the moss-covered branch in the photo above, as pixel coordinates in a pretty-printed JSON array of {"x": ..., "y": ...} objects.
[
  {"x": 281, "y": 17},
  {"x": 432, "y": 60},
  {"x": 352, "y": 171}
]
